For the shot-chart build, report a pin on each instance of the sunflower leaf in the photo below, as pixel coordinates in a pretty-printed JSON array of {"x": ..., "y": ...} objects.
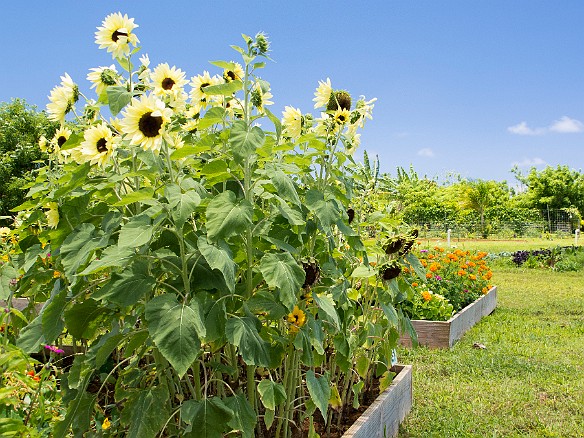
[{"x": 118, "y": 97}]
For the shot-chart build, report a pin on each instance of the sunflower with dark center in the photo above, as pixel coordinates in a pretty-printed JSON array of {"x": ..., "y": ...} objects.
[
  {"x": 235, "y": 73},
  {"x": 97, "y": 145},
  {"x": 168, "y": 80},
  {"x": 61, "y": 136},
  {"x": 116, "y": 34},
  {"x": 394, "y": 245},
  {"x": 312, "y": 272},
  {"x": 144, "y": 121},
  {"x": 410, "y": 240},
  {"x": 351, "y": 214},
  {"x": 391, "y": 272}
]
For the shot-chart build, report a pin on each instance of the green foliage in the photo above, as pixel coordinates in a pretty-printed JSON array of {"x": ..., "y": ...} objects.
[{"x": 21, "y": 127}]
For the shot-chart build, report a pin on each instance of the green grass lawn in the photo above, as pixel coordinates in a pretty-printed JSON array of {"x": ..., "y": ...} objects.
[
  {"x": 528, "y": 382},
  {"x": 494, "y": 245}
]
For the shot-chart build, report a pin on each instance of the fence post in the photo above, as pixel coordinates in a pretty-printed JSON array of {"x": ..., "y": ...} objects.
[{"x": 448, "y": 237}]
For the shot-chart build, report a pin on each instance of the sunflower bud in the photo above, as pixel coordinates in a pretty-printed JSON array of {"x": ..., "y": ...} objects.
[{"x": 262, "y": 44}]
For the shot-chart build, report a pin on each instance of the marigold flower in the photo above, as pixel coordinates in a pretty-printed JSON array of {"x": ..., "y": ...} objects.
[
  {"x": 472, "y": 276},
  {"x": 426, "y": 295},
  {"x": 414, "y": 284},
  {"x": 461, "y": 272},
  {"x": 434, "y": 267},
  {"x": 428, "y": 275}
]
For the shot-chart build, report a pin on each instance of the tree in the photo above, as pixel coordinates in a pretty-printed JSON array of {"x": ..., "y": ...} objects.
[
  {"x": 21, "y": 126},
  {"x": 480, "y": 195}
]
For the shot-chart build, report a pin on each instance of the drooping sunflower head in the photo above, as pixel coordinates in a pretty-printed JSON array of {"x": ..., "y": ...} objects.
[
  {"x": 260, "y": 95},
  {"x": 144, "y": 122},
  {"x": 391, "y": 271},
  {"x": 62, "y": 99},
  {"x": 102, "y": 77},
  {"x": 339, "y": 99},
  {"x": 116, "y": 34},
  {"x": 233, "y": 73},
  {"x": 52, "y": 214},
  {"x": 98, "y": 144},
  {"x": 312, "y": 273},
  {"x": 168, "y": 80},
  {"x": 292, "y": 122}
]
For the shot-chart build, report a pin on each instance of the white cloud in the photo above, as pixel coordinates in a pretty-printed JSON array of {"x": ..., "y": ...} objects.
[
  {"x": 523, "y": 129},
  {"x": 567, "y": 125},
  {"x": 529, "y": 162},
  {"x": 564, "y": 125},
  {"x": 426, "y": 152}
]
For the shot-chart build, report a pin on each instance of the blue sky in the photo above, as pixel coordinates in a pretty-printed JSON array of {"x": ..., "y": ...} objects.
[{"x": 469, "y": 87}]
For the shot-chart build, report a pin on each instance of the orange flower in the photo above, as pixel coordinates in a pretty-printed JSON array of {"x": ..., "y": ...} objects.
[
  {"x": 434, "y": 267},
  {"x": 424, "y": 262},
  {"x": 414, "y": 284},
  {"x": 461, "y": 273},
  {"x": 426, "y": 295},
  {"x": 472, "y": 277},
  {"x": 428, "y": 275},
  {"x": 56, "y": 274},
  {"x": 430, "y": 256}
]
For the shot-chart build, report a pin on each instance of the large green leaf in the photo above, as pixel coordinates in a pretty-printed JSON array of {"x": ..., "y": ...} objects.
[
  {"x": 226, "y": 216},
  {"x": 320, "y": 391},
  {"x": 143, "y": 194},
  {"x": 281, "y": 271},
  {"x": 81, "y": 319},
  {"x": 135, "y": 233},
  {"x": 284, "y": 186},
  {"x": 31, "y": 337},
  {"x": 245, "y": 141},
  {"x": 176, "y": 329},
  {"x": 79, "y": 246},
  {"x": 244, "y": 333},
  {"x": 213, "y": 116},
  {"x": 325, "y": 209},
  {"x": 52, "y": 316},
  {"x": 7, "y": 275},
  {"x": 118, "y": 97},
  {"x": 127, "y": 287},
  {"x": 111, "y": 256},
  {"x": 272, "y": 394},
  {"x": 183, "y": 204},
  {"x": 208, "y": 417},
  {"x": 244, "y": 417},
  {"x": 327, "y": 305},
  {"x": 219, "y": 257},
  {"x": 145, "y": 412},
  {"x": 226, "y": 89}
]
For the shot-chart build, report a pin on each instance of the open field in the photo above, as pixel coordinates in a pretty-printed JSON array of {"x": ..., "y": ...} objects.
[{"x": 527, "y": 382}]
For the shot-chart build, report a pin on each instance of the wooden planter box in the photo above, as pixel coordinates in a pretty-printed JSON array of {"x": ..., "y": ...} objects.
[
  {"x": 383, "y": 417},
  {"x": 444, "y": 334}
]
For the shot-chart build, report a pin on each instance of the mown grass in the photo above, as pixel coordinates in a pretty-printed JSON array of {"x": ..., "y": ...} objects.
[
  {"x": 511, "y": 245},
  {"x": 527, "y": 382}
]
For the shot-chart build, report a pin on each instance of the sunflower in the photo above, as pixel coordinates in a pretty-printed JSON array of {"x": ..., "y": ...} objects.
[
  {"x": 58, "y": 140},
  {"x": 341, "y": 116},
  {"x": 323, "y": 93},
  {"x": 144, "y": 121},
  {"x": 102, "y": 77},
  {"x": 43, "y": 143},
  {"x": 235, "y": 72},
  {"x": 260, "y": 96},
  {"x": 168, "y": 80},
  {"x": 297, "y": 318},
  {"x": 292, "y": 121},
  {"x": 97, "y": 145},
  {"x": 199, "y": 82},
  {"x": 52, "y": 215},
  {"x": 115, "y": 34},
  {"x": 62, "y": 99}
]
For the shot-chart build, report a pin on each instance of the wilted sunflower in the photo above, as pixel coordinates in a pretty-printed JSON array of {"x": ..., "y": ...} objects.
[
  {"x": 115, "y": 34},
  {"x": 292, "y": 121},
  {"x": 98, "y": 144},
  {"x": 144, "y": 121},
  {"x": 102, "y": 77},
  {"x": 323, "y": 93}
]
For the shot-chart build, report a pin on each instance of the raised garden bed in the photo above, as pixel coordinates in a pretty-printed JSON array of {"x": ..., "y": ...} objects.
[
  {"x": 444, "y": 334},
  {"x": 383, "y": 416}
]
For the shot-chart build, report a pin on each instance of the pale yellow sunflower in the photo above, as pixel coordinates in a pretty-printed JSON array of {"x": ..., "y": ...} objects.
[
  {"x": 341, "y": 116},
  {"x": 58, "y": 140},
  {"x": 62, "y": 99},
  {"x": 260, "y": 96},
  {"x": 323, "y": 93},
  {"x": 144, "y": 122},
  {"x": 98, "y": 144},
  {"x": 43, "y": 142},
  {"x": 235, "y": 72},
  {"x": 199, "y": 82},
  {"x": 168, "y": 80},
  {"x": 52, "y": 214},
  {"x": 103, "y": 77},
  {"x": 115, "y": 34},
  {"x": 292, "y": 121}
]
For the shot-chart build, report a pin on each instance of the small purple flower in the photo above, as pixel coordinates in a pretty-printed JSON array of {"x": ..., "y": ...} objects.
[
  {"x": 438, "y": 278},
  {"x": 54, "y": 349},
  {"x": 423, "y": 250}
]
